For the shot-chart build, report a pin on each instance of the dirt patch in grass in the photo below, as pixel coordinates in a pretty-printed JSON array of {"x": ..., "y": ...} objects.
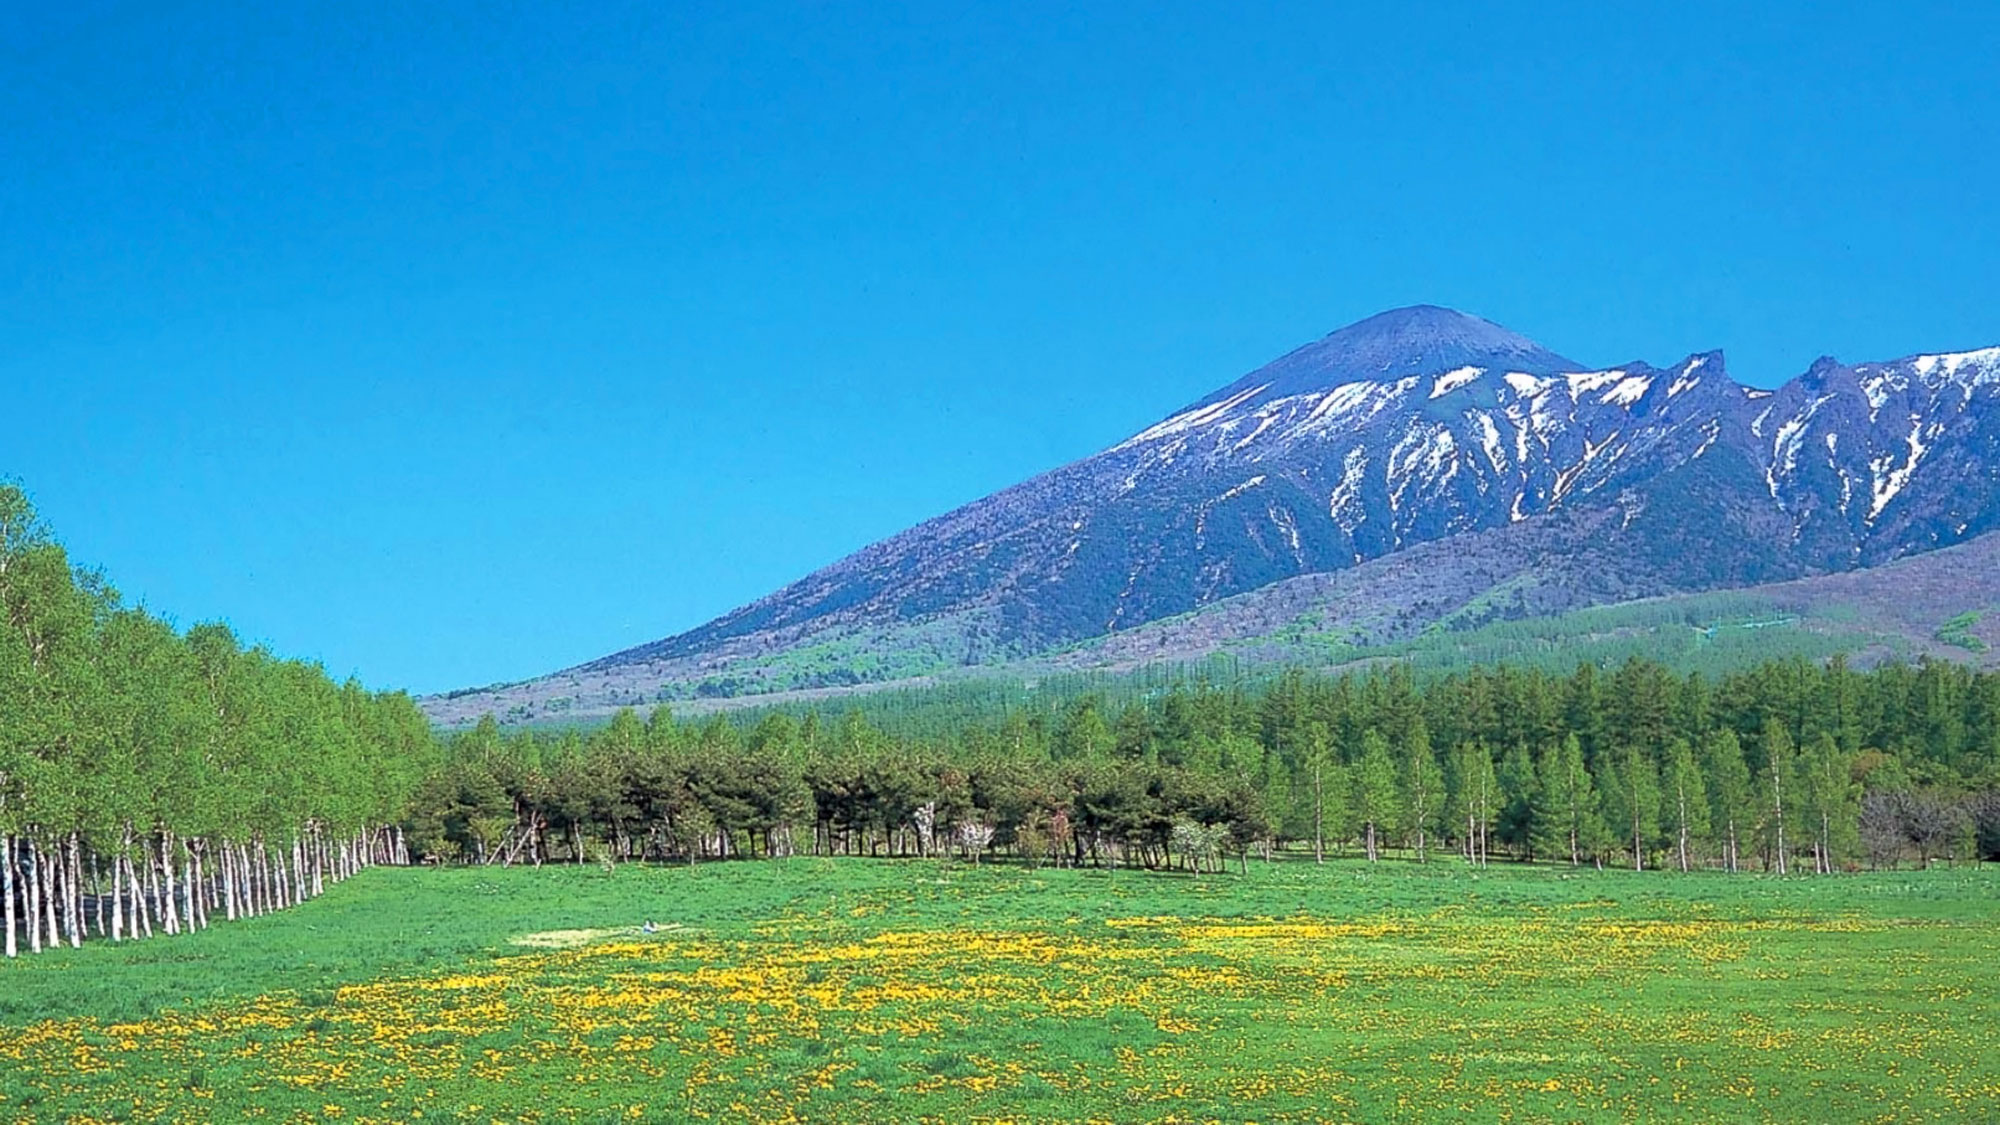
[{"x": 569, "y": 939}]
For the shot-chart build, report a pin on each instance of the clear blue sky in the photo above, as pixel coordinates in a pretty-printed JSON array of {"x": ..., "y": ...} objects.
[{"x": 452, "y": 343}]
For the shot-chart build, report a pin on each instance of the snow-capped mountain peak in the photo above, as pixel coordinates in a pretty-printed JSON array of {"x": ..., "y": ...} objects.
[
  {"x": 1416, "y": 342},
  {"x": 1413, "y": 426}
]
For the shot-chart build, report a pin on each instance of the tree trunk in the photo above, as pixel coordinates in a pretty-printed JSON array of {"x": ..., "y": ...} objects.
[
  {"x": 7, "y": 891},
  {"x": 31, "y": 873},
  {"x": 75, "y": 901},
  {"x": 97, "y": 896},
  {"x": 1683, "y": 805},
  {"x": 170, "y": 916},
  {"x": 142, "y": 910},
  {"x": 189, "y": 898},
  {"x": 1778, "y": 808},
  {"x": 1319, "y": 818},
  {"x": 117, "y": 900},
  {"x": 227, "y": 871}
]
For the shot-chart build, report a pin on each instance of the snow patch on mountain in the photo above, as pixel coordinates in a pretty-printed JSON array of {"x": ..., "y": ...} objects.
[
  {"x": 1890, "y": 478},
  {"x": 1188, "y": 420},
  {"x": 1687, "y": 380},
  {"x": 1628, "y": 391},
  {"x": 1582, "y": 383},
  {"x": 1967, "y": 369},
  {"x": 1489, "y": 440},
  {"x": 1452, "y": 380},
  {"x": 1345, "y": 506}
]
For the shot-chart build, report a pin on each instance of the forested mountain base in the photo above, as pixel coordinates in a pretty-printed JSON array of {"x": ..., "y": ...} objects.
[{"x": 150, "y": 780}]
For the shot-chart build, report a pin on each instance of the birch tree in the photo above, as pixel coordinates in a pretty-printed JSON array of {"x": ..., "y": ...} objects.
[
  {"x": 1731, "y": 800},
  {"x": 1423, "y": 786},
  {"x": 1374, "y": 796},
  {"x": 1780, "y": 803},
  {"x": 1686, "y": 802}
]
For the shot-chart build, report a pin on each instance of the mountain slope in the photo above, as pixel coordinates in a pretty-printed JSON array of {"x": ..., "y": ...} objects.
[
  {"x": 1937, "y": 604},
  {"x": 1416, "y": 427}
]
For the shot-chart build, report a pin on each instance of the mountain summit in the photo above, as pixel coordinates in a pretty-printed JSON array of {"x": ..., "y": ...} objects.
[
  {"x": 1422, "y": 435},
  {"x": 1414, "y": 341}
]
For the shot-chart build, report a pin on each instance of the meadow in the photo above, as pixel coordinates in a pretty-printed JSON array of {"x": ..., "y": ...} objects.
[{"x": 857, "y": 990}]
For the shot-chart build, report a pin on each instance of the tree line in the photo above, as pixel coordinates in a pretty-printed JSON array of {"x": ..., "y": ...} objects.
[
  {"x": 1791, "y": 766},
  {"x": 152, "y": 778}
]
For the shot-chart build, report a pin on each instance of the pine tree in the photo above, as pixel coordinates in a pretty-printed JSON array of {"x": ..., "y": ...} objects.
[{"x": 1520, "y": 802}]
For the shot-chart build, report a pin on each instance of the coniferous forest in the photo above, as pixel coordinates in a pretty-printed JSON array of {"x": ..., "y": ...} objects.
[
  {"x": 1786, "y": 768},
  {"x": 154, "y": 779}
]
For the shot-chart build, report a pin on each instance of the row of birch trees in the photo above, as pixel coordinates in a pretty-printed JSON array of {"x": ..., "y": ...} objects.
[{"x": 153, "y": 780}]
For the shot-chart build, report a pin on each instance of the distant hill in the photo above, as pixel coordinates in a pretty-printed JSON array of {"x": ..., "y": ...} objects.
[{"x": 1421, "y": 470}]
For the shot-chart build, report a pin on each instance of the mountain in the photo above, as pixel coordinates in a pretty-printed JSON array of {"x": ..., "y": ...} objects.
[{"x": 1421, "y": 437}]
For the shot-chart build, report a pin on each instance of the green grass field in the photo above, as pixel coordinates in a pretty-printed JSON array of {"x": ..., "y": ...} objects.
[{"x": 860, "y": 991}]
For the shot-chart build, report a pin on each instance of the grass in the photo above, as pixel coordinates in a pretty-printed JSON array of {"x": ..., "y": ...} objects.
[{"x": 865, "y": 991}]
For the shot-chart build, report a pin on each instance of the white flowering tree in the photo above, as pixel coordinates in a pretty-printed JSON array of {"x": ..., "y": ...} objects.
[
  {"x": 1200, "y": 844},
  {"x": 974, "y": 837}
]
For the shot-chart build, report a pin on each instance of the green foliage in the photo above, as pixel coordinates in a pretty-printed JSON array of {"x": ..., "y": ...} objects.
[
  {"x": 1958, "y": 631},
  {"x": 123, "y": 742},
  {"x": 1577, "y": 766},
  {"x": 1376, "y": 801}
]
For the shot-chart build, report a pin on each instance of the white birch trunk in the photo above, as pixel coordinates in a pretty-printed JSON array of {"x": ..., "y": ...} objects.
[
  {"x": 48, "y": 860},
  {"x": 31, "y": 872},
  {"x": 170, "y": 911},
  {"x": 7, "y": 891},
  {"x": 117, "y": 900},
  {"x": 142, "y": 902},
  {"x": 247, "y": 875},
  {"x": 97, "y": 897},
  {"x": 233, "y": 885},
  {"x": 74, "y": 903},
  {"x": 186, "y": 863},
  {"x": 1681, "y": 802},
  {"x": 261, "y": 866},
  {"x": 1778, "y": 807}
]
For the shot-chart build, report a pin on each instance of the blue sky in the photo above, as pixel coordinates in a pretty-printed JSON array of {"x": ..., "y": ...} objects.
[{"x": 454, "y": 343}]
